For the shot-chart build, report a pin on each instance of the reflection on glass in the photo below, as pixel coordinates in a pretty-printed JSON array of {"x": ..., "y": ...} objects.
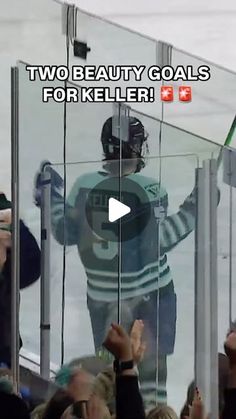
[{"x": 212, "y": 109}]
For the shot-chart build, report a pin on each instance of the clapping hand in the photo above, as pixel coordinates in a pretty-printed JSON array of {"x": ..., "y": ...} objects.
[
  {"x": 196, "y": 411},
  {"x": 5, "y": 235},
  {"x": 138, "y": 347},
  {"x": 118, "y": 343}
]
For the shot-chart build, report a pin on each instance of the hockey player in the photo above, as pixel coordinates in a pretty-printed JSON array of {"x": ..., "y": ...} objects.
[{"x": 146, "y": 286}]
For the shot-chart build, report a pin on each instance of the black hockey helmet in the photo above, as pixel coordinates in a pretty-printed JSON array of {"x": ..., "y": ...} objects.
[{"x": 132, "y": 148}]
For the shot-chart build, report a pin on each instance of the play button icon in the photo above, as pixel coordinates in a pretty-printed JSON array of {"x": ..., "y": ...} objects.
[{"x": 117, "y": 210}]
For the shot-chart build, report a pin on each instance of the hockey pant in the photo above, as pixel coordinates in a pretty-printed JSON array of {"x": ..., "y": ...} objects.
[{"x": 153, "y": 368}]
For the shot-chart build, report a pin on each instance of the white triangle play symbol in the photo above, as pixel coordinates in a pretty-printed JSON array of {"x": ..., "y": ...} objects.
[{"x": 116, "y": 210}]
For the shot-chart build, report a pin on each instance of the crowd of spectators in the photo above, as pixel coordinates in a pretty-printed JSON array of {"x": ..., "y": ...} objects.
[{"x": 114, "y": 392}]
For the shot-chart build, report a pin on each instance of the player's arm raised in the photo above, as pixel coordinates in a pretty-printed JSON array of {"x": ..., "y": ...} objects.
[
  {"x": 64, "y": 218},
  {"x": 176, "y": 227}
]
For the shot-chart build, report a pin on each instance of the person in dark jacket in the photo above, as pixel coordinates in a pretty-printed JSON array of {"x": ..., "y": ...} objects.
[
  {"x": 229, "y": 411},
  {"x": 12, "y": 407},
  {"x": 129, "y": 403},
  {"x": 29, "y": 272}
]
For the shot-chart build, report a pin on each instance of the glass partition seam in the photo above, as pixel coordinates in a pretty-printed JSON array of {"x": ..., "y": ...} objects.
[
  {"x": 230, "y": 249},
  {"x": 149, "y": 158},
  {"x": 159, "y": 174},
  {"x": 45, "y": 320},
  {"x": 15, "y": 263},
  {"x": 120, "y": 109},
  {"x": 214, "y": 291},
  {"x": 64, "y": 191}
]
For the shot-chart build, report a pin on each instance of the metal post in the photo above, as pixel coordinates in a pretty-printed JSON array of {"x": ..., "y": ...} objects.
[
  {"x": 206, "y": 315},
  {"x": 68, "y": 18},
  {"x": 164, "y": 53},
  {"x": 230, "y": 256},
  {"x": 200, "y": 280},
  {"x": 213, "y": 303},
  {"x": 45, "y": 275},
  {"x": 120, "y": 129},
  {"x": 15, "y": 268},
  {"x": 229, "y": 177}
]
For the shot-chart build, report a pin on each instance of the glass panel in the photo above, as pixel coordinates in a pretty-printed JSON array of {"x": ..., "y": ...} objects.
[
  {"x": 112, "y": 45},
  {"x": 212, "y": 109},
  {"x": 173, "y": 156},
  {"x": 150, "y": 273},
  {"x": 174, "y": 176},
  {"x": 226, "y": 245},
  {"x": 178, "y": 177},
  {"x": 223, "y": 225},
  {"x": 91, "y": 259},
  {"x": 40, "y": 138},
  {"x": 226, "y": 256},
  {"x": 84, "y": 127}
]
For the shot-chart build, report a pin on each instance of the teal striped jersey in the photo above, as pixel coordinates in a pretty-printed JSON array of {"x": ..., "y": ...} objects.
[{"x": 142, "y": 260}]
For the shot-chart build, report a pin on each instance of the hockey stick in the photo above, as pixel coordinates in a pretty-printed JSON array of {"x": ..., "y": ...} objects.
[{"x": 227, "y": 141}]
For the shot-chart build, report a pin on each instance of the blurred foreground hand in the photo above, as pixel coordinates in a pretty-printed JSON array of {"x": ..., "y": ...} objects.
[
  {"x": 5, "y": 235},
  {"x": 118, "y": 343},
  {"x": 137, "y": 345}
]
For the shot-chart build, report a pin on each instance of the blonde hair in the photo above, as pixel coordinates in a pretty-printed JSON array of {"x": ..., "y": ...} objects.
[
  {"x": 104, "y": 385},
  {"x": 69, "y": 415},
  {"x": 162, "y": 412}
]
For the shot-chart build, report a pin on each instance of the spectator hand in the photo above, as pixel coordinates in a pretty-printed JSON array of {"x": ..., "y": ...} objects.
[
  {"x": 3, "y": 257},
  {"x": 5, "y": 236},
  {"x": 95, "y": 408},
  {"x": 5, "y": 216},
  {"x": 196, "y": 411},
  {"x": 138, "y": 347},
  {"x": 118, "y": 343}
]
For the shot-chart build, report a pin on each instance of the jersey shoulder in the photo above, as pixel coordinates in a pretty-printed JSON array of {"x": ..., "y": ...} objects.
[
  {"x": 151, "y": 186},
  {"x": 87, "y": 182}
]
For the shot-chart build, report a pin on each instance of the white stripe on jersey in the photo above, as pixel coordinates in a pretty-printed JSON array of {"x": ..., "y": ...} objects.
[
  {"x": 132, "y": 274},
  {"x": 104, "y": 295}
]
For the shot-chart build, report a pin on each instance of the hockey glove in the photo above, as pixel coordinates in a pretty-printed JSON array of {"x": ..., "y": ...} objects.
[
  {"x": 57, "y": 183},
  {"x": 190, "y": 203}
]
